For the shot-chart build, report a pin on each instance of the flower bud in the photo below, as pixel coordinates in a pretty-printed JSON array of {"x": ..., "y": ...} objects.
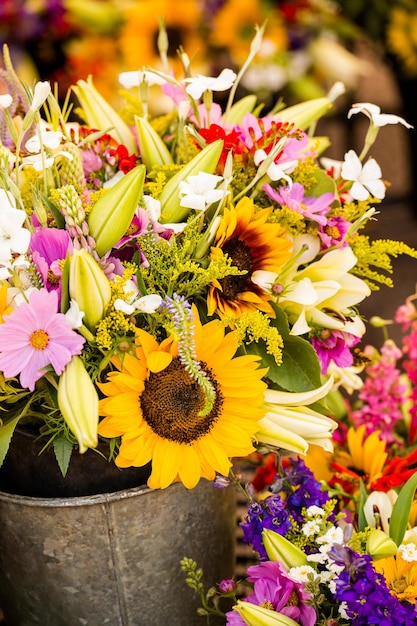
[
  {"x": 303, "y": 114},
  {"x": 112, "y": 214},
  {"x": 78, "y": 403},
  {"x": 153, "y": 150},
  {"x": 99, "y": 114},
  {"x": 379, "y": 545},
  {"x": 280, "y": 549},
  {"x": 254, "y": 615},
  {"x": 89, "y": 287}
]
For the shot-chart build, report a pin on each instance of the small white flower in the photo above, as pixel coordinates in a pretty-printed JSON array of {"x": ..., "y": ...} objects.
[
  {"x": 123, "y": 306},
  {"x": 275, "y": 171},
  {"x": 13, "y": 236},
  {"x": 153, "y": 208},
  {"x": 197, "y": 192},
  {"x": 373, "y": 112},
  {"x": 38, "y": 162},
  {"x": 198, "y": 85},
  {"x": 74, "y": 315},
  {"x": 47, "y": 139},
  {"x": 5, "y": 100},
  {"x": 134, "y": 79},
  {"x": 310, "y": 528},
  {"x": 148, "y": 304},
  {"x": 41, "y": 92},
  {"x": 332, "y": 536},
  {"x": 408, "y": 552},
  {"x": 317, "y": 557},
  {"x": 301, "y": 574},
  {"x": 366, "y": 178},
  {"x": 315, "y": 510}
]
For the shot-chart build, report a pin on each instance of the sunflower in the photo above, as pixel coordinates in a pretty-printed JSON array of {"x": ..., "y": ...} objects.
[
  {"x": 400, "y": 576},
  {"x": 253, "y": 244},
  {"x": 157, "y": 407}
]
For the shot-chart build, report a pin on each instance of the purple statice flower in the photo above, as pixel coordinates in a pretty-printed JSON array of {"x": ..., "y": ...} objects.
[
  {"x": 50, "y": 247},
  {"x": 309, "y": 207},
  {"x": 364, "y": 593},
  {"x": 271, "y": 513},
  {"x": 272, "y": 585},
  {"x": 333, "y": 233},
  {"x": 382, "y": 395},
  {"x": 334, "y": 345},
  {"x": 35, "y": 337}
]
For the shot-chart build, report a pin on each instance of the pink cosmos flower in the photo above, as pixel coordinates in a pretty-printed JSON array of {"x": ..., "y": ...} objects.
[
  {"x": 272, "y": 584},
  {"x": 49, "y": 249},
  {"x": 35, "y": 336},
  {"x": 311, "y": 208}
]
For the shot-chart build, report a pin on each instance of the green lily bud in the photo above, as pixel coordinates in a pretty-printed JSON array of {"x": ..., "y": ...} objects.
[
  {"x": 239, "y": 109},
  {"x": 152, "y": 149},
  {"x": 78, "y": 403},
  {"x": 204, "y": 161},
  {"x": 379, "y": 545},
  {"x": 255, "y": 615},
  {"x": 112, "y": 214},
  {"x": 302, "y": 115},
  {"x": 280, "y": 549},
  {"x": 89, "y": 287},
  {"x": 100, "y": 114}
]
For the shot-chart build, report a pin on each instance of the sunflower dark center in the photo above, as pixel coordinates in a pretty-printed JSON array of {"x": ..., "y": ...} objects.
[
  {"x": 241, "y": 257},
  {"x": 172, "y": 401}
]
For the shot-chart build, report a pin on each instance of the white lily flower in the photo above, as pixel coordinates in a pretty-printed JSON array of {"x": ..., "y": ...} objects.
[
  {"x": 5, "y": 100},
  {"x": 382, "y": 503},
  {"x": 198, "y": 85},
  {"x": 198, "y": 192},
  {"x": 290, "y": 424},
  {"x": 324, "y": 285},
  {"x": 366, "y": 178},
  {"x": 38, "y": 162},
  {"x": 373, "y": 112},
  {"x": 13, "y": 236},
  {"x": 41, "y": 92}
]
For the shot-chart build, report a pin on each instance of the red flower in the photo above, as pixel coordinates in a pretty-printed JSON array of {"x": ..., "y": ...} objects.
[{"x": 231, "y": 140}]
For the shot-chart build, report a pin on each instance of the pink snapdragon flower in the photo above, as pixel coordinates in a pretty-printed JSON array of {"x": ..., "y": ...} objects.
[
  {"x": 35, "y": 336},
  {"x": 334, "y": 345}
]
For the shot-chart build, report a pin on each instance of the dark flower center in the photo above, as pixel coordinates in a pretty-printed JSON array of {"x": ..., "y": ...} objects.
[
  {"x": 172, "y": 402},
  {"x": 53, "y": 279},
  {"x": 241, "y": 257}
]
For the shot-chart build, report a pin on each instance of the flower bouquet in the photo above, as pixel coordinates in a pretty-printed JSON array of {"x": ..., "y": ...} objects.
[{"x": 176, "y": 285}]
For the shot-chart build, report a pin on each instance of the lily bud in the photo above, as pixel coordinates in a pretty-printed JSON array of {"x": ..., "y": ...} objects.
[
  {"x": 204, "y": 161},
  {"x": 303, "y": 114},
  {"x": 280, "y": 549},
  {"x": 89, "y": 287},
  {"x": 100, "y": 114},
  {"x": 379, "y": 545},
  {"x": 112, "y": 214},
  {"x": 255, "y": 615},
  {"x": 152, "y": 149},
  {"x": 78, "y": 403}
]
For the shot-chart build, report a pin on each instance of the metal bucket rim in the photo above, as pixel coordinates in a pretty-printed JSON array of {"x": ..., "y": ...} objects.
[{"x": 100, "y": 498}]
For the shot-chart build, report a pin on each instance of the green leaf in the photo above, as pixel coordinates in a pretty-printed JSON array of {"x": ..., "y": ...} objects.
[
  {"x": 56, "y": 213},
  {"x": 401, "y": 510},
  {"x": 6, "y": 434},
  {"x": 300, "y": 368},
  {"x": 63, "y": 451}
]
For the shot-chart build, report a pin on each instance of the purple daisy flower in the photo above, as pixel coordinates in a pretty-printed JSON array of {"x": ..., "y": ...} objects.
[
  {"x": 311, "y": 208},
  {"x": 272, "y": 585},
  {"x": 50, "y": 247},
  {"x": 35, "y": 336}
]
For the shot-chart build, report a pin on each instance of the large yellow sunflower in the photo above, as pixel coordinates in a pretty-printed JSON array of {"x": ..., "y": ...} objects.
[
  {"x": 253, "y": 244},
  {"x": 156, "y": 406},
  {"x": 400, "y": 575}
]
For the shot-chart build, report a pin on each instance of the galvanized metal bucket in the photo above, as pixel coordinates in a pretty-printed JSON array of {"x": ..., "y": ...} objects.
[{"x": 113, "y": 558}]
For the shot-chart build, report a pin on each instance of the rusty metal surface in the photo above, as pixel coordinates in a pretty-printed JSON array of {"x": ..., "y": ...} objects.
[{"x": 112, "y": 558}]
